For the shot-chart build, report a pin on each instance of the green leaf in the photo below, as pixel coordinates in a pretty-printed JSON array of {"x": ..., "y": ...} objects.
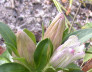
[
  {"x": 50, "y": 70},
  {"x": 62, "y": 69},
  {"x": 30, "y": 34},
  {"x": 23, "y": 62},
  {"x": 13, "y": 67},
  {"x": 8, "y": 35},
  {"x": 88, "y": 25},
  {"x": 83, "y": 35},
  {"x": 70, "y": 68},
  {"x": 3, "y": 60},
  {"x": 13, "y": 49},
  {"x": 89, "y": 70},
  {"x": 73, "y": 68},
  {"x": 7, "y": 56},
  {"x": 65, "y": 33},
  {"x": 88, "y": 56},
  {"x": 43, "y": 53},
  {"x": 57, "y": 5}
]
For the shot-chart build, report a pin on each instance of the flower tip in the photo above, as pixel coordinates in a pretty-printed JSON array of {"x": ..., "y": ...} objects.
[
  {"x": 19, "y": 32},
  {"x": 61, "y": 15},
  {"x": 71, "y": 51}
]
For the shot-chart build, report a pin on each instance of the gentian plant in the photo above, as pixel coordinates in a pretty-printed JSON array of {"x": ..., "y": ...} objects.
[{"x": 55, "y": 52}]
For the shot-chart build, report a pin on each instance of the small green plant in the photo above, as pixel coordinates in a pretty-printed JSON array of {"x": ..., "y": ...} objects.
[{"x": 57, "y": 50}]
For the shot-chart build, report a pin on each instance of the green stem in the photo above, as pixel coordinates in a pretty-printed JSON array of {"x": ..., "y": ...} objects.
[
  {"x": 57, "y": 6},
  {"x": 88, "y": 52},
  {"x": 42, "y": 30}
]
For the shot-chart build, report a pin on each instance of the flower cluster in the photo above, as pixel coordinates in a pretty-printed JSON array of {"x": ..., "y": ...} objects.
[{"x": 62, "y": 55}]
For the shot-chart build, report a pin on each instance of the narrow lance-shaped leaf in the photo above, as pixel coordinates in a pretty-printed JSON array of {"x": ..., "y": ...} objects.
[
  {"x": 83, "y": 35},
  {"x": 30, "y": 34},
  {"x": 8, "y": 35},
  {"x": 43, "y": 53}
]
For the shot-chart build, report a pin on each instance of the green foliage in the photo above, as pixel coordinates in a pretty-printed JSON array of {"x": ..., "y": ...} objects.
[
  {"x": 6, "y": 55},
  {"x": 83, "y": 35},
  {"x": 30, "y": 34},
  {"x": 3, "y": 60},
  {"x": 42, "y": 55},
  {"x": 9, "y": 38},
  {"x": 7, "y": 34},
  {"x": 70, "y": 68},
  {"x": 57, "y": 5},
  {"x": 88, "y": 55},
  {"x": 13, "y": 67},
  {"x": 88, "y": 25},
  {"x": 89, "y": 70},
  {"x": 73, "y": 68},
  {"x": 65, "y": 33}
]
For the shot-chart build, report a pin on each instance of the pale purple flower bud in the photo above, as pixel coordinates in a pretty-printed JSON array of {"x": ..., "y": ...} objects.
[
  {"x": 55, "y": 30},
  {"x": 25, "y": 46},
  {"x": 67, "y": 53}
]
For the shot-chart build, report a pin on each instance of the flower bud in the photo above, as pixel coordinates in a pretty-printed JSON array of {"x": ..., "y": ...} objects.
[
  {"x": 25, "y": 46},
  {"x": 67, "y": 53},
  {"x": 55, "y": 30}
]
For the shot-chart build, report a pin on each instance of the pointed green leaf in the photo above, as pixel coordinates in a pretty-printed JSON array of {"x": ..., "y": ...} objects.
[
  {"x": 65, "y": 33},
  {"x": 57, "y": 5},
  {"x": 83, "y": 35},
  {"x": 7, "y": 56},
  {"x": 8, "y": 35},
  {"x": 13, "y": 67},
  {"x": 43, "y": 53},
  {"x": 23, "y": 61},
  {"x": 73, "y": 68},
  {"x": 50, "y": 70},
  {"x": 88, "y": 25},
  {"x": 30, "y": 34}
]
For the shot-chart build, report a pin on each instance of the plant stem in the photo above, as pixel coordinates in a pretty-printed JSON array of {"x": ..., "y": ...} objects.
[
  {"x": 88, "y": 52},
  {"x": 74, "y": 17}
]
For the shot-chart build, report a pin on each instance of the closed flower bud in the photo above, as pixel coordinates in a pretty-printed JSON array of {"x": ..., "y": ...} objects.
[
  {"x": 25, "y": 46},
  {"x": 67, "y": 53},
  {"x": 55, "y": 30}
]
